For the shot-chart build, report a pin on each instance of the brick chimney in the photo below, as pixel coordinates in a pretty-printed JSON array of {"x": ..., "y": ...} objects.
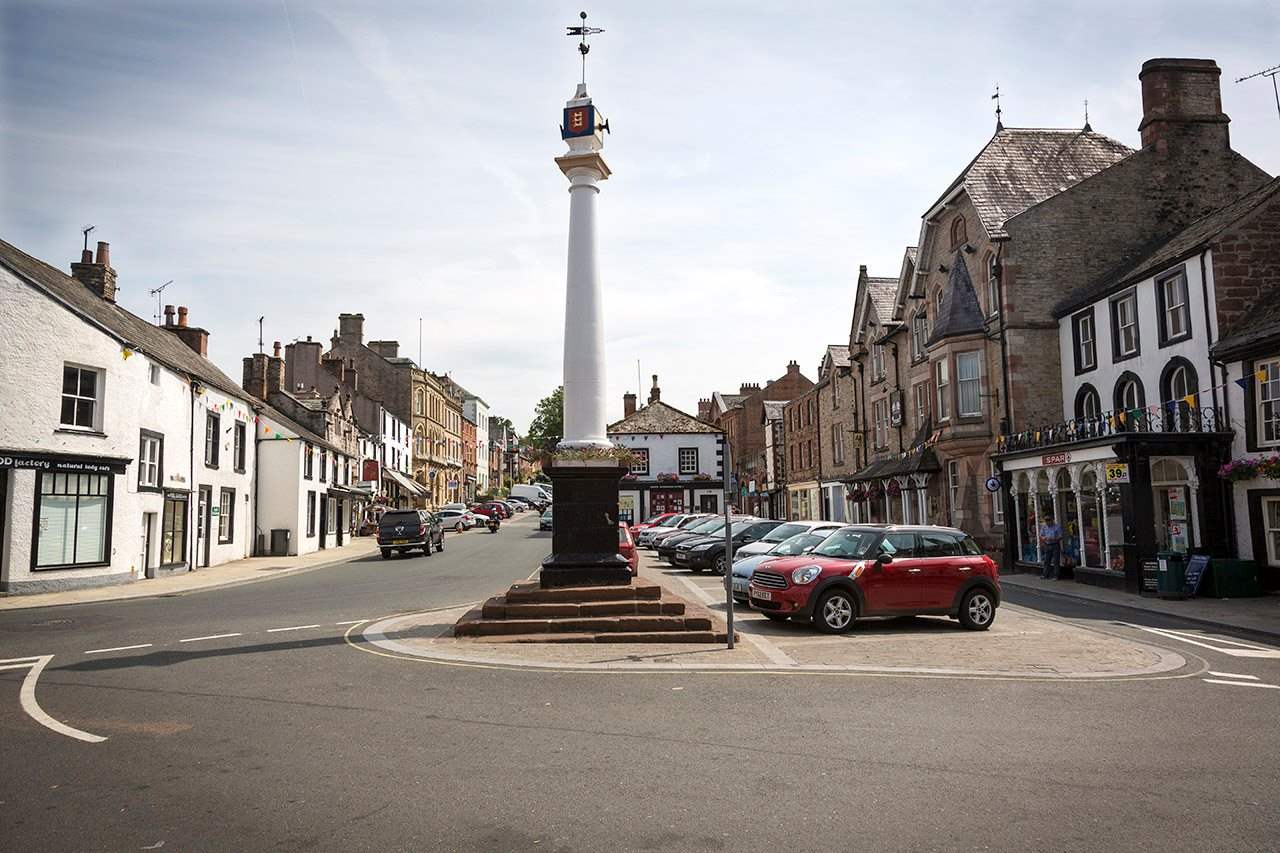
[
  {"x": 254, "y": 375},
  {"x": 1182, "y": 105},
  {"x": 351, "y": 328},
  {"x": 386, "y": 349},
  {"x": 628, "y": 404},
  {"x": 192, "y": 336},
  {"x": 793, "y": 367},
  {"x": 97, "y": 275},
  {"x": 704, "y": 409},
  {"x": 275, "y": 372},
  {"x": 655, "y": 393}
]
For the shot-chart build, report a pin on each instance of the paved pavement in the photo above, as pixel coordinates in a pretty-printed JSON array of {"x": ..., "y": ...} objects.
[{"x": 291, "y": 732}]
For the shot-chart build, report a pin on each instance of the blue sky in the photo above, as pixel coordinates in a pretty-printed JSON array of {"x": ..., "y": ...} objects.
[{"x": 298, "y": 159}]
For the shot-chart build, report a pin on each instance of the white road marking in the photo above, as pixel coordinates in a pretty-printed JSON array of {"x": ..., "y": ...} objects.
[
  {"x": 1241, "y": 683},
  {"x": 210, "y": 637},
  {"x": 21, "y": 660},
  {"x": 766, "y": 647},
  {"x": 118, "y": 649},
  {"x": 351, "y": 622},
  {"x": 291, "y": 628},
  {"x": 1234, "y": 675},
  {"x": 18, "y": 665},
  {"x": 1248, "y": 651},
  {"x": 27, "y": 698}
]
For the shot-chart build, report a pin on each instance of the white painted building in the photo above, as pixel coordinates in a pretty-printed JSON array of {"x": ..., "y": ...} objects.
[
  {"x": 680, "y": 461},
  {"x": 476, "y": 410},
  {"x": 124, "y": 452}
]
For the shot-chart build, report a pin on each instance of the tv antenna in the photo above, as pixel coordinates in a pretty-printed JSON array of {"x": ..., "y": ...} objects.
[
  {"x": 583, "y": 48},
  {"x": 1267, "y": 72},
  {"x": 88, "y": 228},
  {"x": 155, "y": 291},
  {"x": 260, "y": 319}
]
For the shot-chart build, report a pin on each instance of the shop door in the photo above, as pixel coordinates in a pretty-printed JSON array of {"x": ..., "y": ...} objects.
[
  {"x": 708, "y": 503},
  {"x": 203, "y": 523},
  {"x": 324, "y": 520},
  {"x": 666, "y": 500}
]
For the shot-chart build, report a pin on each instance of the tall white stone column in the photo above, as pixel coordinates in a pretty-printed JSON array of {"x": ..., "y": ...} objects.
[{"x": 584, "y": 382}]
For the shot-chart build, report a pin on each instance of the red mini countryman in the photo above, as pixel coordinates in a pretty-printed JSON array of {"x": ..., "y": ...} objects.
[{"x": 889, "y": 570}]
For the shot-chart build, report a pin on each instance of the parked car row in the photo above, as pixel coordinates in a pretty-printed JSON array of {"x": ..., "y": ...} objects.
[{"x": 832, "y": 574}]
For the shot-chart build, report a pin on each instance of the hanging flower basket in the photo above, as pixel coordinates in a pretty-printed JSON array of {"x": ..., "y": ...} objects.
[
  {"x": 702, "y": 476},
  {"x": 858, "y": 493},
  {"x": 630, "y": 475},
  {"x": 874, "y": 492},
  {"x": 894, "y": 488},
  {"x": 1266, "y": 468},
  {"x": 668, "y": 477}
]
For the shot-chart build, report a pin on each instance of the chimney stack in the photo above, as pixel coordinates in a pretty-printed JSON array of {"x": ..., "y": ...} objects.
[
  {"x": 655, "y": 393},
  {"x": 97, "y": 275},
  {"x": 628, "y": 404},
  {"x": 704, "y": 409},
  {"x": 1182, "y": 105},
  {"x": 386, "y": 349},
  {"x": 351, "y": 328},
  {"x": 192, "y": 336},
  {"x": 793, "y": 367}
]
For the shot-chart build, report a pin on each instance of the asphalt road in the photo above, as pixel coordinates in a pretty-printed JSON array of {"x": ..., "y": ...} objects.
[{"x": 299, "y": 739}]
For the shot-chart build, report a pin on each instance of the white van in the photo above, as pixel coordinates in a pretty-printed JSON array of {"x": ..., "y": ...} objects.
[{"x": 531, "y": 491}]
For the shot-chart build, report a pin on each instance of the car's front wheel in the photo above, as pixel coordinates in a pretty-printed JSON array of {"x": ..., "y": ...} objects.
[
  {"x": 458, "y": 528},
  {"x": 835, "y": 611},
  {"x": 720, "y": 564},
  {"x": 386, "y": 553},
  {"x": 440, "y": 546},
  {"x": 977, "y": 610}
]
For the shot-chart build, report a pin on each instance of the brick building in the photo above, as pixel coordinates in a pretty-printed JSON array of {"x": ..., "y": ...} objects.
[
  {"x": 741, "y": 417},
  {"x": 800, "y": 429}
]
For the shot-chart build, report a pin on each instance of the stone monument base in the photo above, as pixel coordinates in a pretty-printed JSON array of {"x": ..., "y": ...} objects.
[{"x": 584, "y": 528}]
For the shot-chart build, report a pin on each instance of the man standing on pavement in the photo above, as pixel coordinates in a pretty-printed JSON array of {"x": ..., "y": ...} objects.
[{"x": 1050, "y": 549}]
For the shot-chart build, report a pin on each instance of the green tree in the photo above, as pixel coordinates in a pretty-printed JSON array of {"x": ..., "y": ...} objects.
[{"x": 548, "y": 421}]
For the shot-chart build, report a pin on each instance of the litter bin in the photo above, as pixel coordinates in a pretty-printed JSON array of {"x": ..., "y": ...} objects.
[
  {"x": 1172, "y": 580},
  {"x": 1234, "y": 579},
  {"x": 280, "y": 538}
]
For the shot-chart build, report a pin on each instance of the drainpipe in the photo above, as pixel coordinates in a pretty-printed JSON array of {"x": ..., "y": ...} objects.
[
  {"x": 897, "y": 386},
  {"x": 1208, "y": 331},
  {"x": 862, "y": 408},
  {"x": 257, "y": 441},
  {"x": 193, "y": 501},
  {"x": 1004, "y": 342},
  {"x": 1227, "y": 496}
]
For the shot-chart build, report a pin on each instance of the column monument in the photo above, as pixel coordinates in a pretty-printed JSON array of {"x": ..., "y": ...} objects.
[{"x": 584, "y": 473}]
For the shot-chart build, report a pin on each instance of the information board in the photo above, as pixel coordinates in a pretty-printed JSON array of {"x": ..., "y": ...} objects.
[
  {"x": 1195, "y": 572},
  {"x": 1150, "y": 577}
]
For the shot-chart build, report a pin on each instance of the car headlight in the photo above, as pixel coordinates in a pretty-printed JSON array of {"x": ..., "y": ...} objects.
[
  {"x": 705, "y": 546},
  {"x": 806, "y": 574}
]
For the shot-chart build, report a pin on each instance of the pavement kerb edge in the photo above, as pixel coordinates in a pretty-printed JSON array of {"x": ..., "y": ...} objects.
[
  {"x": 22, "y": 605},
  {"x": 1133, "y": 608},
  {"x": 372, "y": 633}
]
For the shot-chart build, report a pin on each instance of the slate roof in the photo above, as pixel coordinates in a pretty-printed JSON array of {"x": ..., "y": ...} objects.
[
  {"x": 293, "y": 426},
  {"x": 658, "y": 417},
  {"x": 959, "y": 313},
  {"x": 1023, "y": 166},
  {"x": 1169, "y": 251},
  {"x": 839, "y": 354},
  {"x": 141, "y": 335},
  {"x": 1256, "y": 329},
  {"x": 730, "y": 401},
  {"x": 773, "y": 409},
  {"x": 884, "y": 295}
]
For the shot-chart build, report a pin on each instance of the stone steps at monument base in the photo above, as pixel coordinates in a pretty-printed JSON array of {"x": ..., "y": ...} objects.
[
  {"x": 530, "y": 592},
  {"x": 499, "y": 607},
  {"x": 705, "y": 637},
  {"x": 474, "y": 624}
]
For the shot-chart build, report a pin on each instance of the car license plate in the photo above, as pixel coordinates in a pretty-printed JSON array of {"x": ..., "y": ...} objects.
[
  {"x": 399, "y": 541},
  {"x": 680, "y": 558},
  {"x": 762, "y": 594},
  {"x": 741, "y": 586}
]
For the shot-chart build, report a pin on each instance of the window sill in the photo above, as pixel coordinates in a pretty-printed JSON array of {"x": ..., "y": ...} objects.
[
  {"x": 211, "y": 467},
  {"x": 1116, "y": 358},
  {"x": 100, "y": 565},
  {"x": 1168, "y": 342},
  {"x": 92, "y": 433},
  {"x": 155, "y": 490}
]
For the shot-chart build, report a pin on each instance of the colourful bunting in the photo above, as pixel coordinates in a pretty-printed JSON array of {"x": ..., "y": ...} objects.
[
  {"x": 1243, "y": 383},
  {"x": 1260, "y": 375},
  {"x": 1190, "y": 400}
]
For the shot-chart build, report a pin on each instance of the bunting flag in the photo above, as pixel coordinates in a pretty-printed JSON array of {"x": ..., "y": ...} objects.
[
  {"x": 1120, "y": 416},
  {"x": 1243, "y": 383},
  {"x": 1190, "y": 399},
  {"x": 1260, "y": 375},
  {"x": 125, "y": 353}
]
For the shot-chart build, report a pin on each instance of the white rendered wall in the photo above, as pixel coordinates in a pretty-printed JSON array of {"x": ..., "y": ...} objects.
[
  {"x": 282, "y": 498},
  {"x": 1151, "y": 361},
  {"x": 664, "y": 451}
]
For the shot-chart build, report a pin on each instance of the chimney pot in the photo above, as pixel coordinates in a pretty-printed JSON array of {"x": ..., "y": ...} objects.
[
  {"x": 104, "y": 253},
  {"x": 98, "y": 276},
  {"x": 182, "y": 315},
  {"x": 168, "y": 315},
  {"x": 276, "y": 349},
  {"x": 86, "y": 256}
]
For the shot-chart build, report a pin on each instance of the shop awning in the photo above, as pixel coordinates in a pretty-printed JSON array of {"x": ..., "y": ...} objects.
[
  {"x": 925, "y": 460},
  {"x": 404, "y": 482}
]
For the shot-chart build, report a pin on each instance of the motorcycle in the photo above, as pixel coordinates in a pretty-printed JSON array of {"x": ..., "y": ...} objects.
[{"x": 493, "y": 523}]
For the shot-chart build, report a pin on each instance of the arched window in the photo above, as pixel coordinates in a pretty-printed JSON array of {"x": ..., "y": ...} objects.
[
  {"x": 419, "y": 442},
  {"x": 1178, "y": 383},
  {"x": 1129, "y": 394},
  {"x": 959, "y": 234},
  {"x": 418, "y": 402},
  {"x": 1088, "y": 404},
  {"x": 937, "y": 302}
]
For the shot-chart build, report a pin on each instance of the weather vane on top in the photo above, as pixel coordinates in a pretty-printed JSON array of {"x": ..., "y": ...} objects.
[{"x": 583, "y": 47}]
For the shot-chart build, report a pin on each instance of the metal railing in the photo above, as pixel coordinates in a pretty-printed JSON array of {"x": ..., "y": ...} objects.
[{"x": 1176, "y": 418}]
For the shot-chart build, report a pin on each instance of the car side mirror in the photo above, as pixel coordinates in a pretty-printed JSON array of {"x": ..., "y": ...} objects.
[
  {"x": 807, "y": 550},
  {"x": 884, "y": 559}
]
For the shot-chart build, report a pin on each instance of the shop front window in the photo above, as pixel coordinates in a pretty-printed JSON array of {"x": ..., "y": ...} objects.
[
  {"x": 73, "y": 520},
  {"x": 1068, "y": 519},
  {"x": 1091, "y": 520},
  {"x": 173, "y": 531}
]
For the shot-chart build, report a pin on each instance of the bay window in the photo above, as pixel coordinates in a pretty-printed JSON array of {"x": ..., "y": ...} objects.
[
  {"x": 942, "y": 381},
  {"x": 969, "y": 384}
]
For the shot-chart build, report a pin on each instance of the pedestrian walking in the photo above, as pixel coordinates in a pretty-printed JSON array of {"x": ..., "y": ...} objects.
[{"x": 1050, "y": 549}]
